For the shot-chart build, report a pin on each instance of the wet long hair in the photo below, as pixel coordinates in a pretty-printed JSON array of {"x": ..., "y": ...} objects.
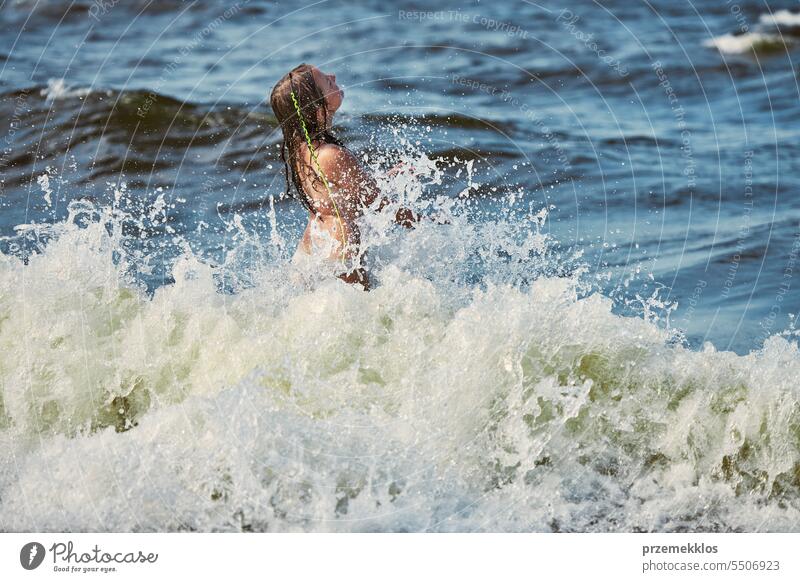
[{"x": 315, "y": 114}]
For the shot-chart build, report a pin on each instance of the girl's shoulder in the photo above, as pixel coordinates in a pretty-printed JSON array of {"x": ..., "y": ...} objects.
[
  {"x": 332, "y": 154},
  {"x": 338, "y": 163}
]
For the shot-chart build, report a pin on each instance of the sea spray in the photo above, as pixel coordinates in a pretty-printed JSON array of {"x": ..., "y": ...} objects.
[{"x": 521, "y": 410}]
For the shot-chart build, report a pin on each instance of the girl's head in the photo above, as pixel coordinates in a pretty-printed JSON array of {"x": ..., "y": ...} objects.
[{"x": 318, "y": 98}]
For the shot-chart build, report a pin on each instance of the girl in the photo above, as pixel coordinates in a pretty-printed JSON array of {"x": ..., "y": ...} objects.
[{"x": 329, "y": 181}]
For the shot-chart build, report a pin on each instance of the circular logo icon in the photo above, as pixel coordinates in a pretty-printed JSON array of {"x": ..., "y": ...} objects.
[{"x": 31, "y": 555}]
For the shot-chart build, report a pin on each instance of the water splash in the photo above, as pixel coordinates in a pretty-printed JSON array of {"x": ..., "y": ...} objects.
[{"x": 483, "y": 385}]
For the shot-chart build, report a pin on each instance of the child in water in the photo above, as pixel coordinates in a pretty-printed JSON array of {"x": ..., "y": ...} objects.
[{"x": 329, "y": 181}]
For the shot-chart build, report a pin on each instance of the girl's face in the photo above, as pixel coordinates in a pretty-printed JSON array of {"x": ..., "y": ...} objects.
[{"x": 333, "y": 94}]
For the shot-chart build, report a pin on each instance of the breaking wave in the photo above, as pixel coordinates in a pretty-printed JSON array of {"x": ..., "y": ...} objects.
[{"x": 232, "y": 399}]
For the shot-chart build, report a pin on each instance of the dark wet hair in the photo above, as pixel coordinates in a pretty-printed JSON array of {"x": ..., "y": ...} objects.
[{"x": 311, "y": 101}]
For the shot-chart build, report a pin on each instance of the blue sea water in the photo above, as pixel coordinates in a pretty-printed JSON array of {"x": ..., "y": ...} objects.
[{"x": 603, "y": 337}]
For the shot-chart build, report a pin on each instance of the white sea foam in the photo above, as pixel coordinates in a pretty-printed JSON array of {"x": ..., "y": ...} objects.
[
  {"x": 745, "y": 43},
  {"x": 430, "y": 403},
  {"x": 58, "y": 89},
  {"x": 785, "y": 18},
  {"x": 764, "y": 38}
]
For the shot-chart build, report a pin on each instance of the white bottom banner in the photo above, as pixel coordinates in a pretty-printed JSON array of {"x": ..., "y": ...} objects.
[{"x": 400, "y": 556}]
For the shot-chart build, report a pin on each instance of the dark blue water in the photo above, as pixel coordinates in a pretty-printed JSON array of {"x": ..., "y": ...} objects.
[{"x": 672, "y": 163}]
